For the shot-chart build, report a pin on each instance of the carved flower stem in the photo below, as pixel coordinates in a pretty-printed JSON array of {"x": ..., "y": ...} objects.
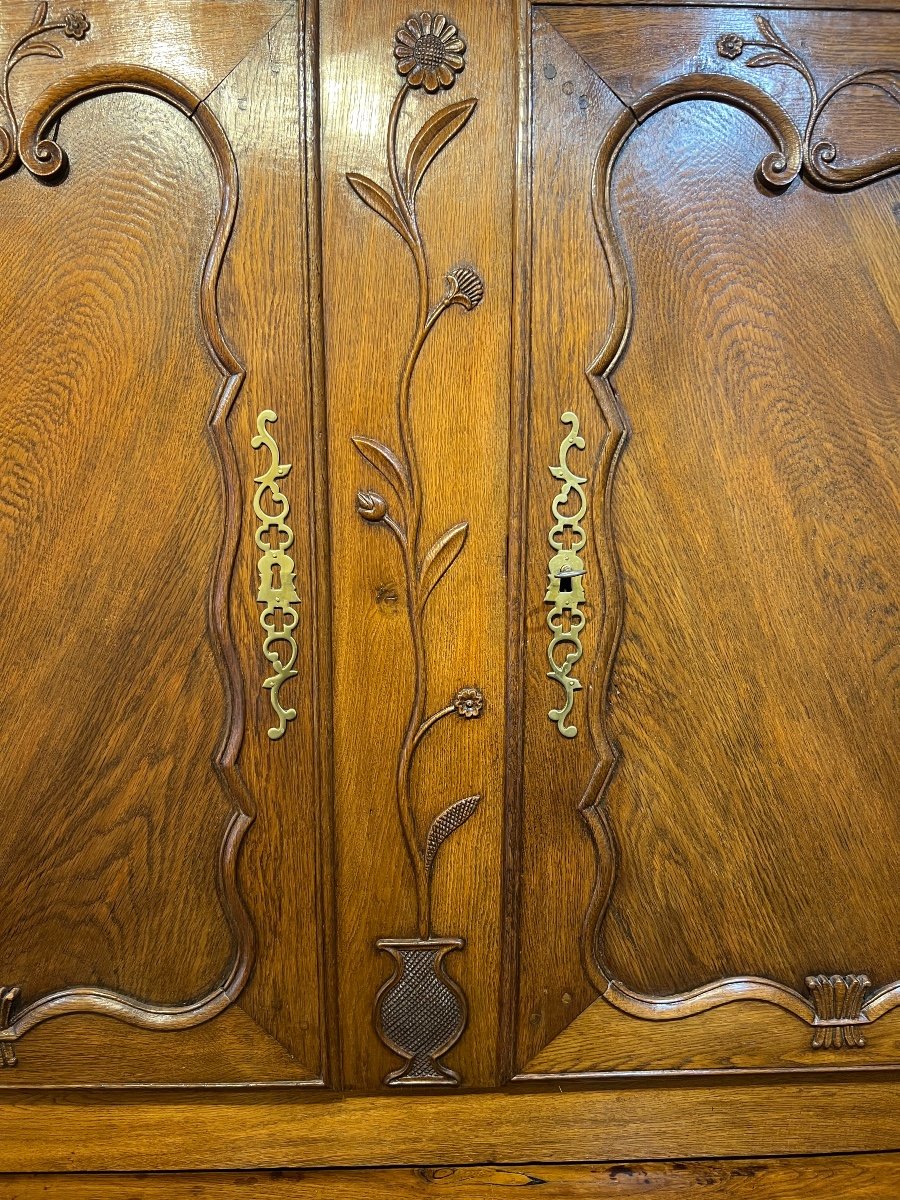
[
  {"x": 417, "y": 724},
  {"x": 429, "y": 53}
]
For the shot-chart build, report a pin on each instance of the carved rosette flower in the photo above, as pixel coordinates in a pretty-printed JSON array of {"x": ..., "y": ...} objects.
[
  {"x": 730, "y": 45},
  {"x": 429, "y": 51},
  {"x": 468, "y": 702},
  {"x": 75, "y": 25},
  {"x": 464, "y": 287},
  {"x": 371, "y": 506}
]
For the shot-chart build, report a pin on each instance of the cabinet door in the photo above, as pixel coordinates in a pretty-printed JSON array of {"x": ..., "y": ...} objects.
[
  {"x": 158, "y": 687},
  {"x": 713, "y": 443},
  {"x": 449, "y": 503}
]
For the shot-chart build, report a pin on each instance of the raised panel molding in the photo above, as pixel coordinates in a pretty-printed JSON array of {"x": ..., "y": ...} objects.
[
  {"x": 30, "y": 140},
  {"x": 838, "y": 1006}
]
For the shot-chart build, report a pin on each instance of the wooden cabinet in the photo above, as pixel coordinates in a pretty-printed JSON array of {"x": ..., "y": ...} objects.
[{"x": 449, "y": 502}]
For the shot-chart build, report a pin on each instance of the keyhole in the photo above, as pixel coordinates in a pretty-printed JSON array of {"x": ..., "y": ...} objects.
[
  {"x": 565, "y": 583},
  {"x": 276, "y": 576}
]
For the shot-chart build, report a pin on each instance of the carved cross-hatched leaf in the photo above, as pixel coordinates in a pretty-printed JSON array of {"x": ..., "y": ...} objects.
[
  {"x": 441, "y": 557},
  {"x": 385, "y": 461},
  {"x": 431, "y": 139},
  {"x": 375, "y": 197},
  {"x": 448, "y": 822}
]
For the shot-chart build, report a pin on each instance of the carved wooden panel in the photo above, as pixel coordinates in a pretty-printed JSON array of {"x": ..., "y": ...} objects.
[
  {"x": 727, "y": 225},
  {"x": 448, "y": 504},
  {"x": 146, "y": 811}
]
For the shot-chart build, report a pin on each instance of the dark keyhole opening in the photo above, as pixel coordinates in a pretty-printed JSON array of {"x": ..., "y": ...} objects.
[{"x": 565, "y": 583}]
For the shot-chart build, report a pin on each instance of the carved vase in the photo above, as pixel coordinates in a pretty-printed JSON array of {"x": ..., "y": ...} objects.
[{"x": 420, "y": 1012}]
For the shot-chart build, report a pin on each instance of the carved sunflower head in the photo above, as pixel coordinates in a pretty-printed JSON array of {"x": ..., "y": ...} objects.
[
  {"x": 429, "y": 51},
  {"x": 75, "y": 25}
]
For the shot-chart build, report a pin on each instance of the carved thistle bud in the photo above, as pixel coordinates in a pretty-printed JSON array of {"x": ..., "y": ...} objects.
[
  {"x": 75, "y": 25},
  {"x": 468, "y": 703},
  {"x": 371, "y": 506},
  {"x": 465, "y": 287},
  {"x": 429, "y": 51},
  {"x": 730, "y": 45}
]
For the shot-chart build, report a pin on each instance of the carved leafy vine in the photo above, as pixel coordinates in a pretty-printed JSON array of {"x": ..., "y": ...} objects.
[
  {"x": 429, "y": 54},
  {"x": 33, "y": 43},
  {"x": 819, "y": 156}
]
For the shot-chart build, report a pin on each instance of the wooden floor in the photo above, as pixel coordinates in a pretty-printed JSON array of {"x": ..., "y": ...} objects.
[{"x": 832, "y": 1177}]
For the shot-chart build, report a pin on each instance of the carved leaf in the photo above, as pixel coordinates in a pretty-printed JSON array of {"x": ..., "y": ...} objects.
[
  {"x": 40, "y": 15},
  {"x": 376, "y": 198},
  {"x": 767, "y": 29},
  {"x": 41, "y": 49},
  {"x": 386, "y": 462},
  {"x": 771, "y": 58},
  {"x": 431, "y": 139},
  {"x": 886, "y": 81},
  {"x": 441, "y": 556},
  {"x": 445, "y": 824}
]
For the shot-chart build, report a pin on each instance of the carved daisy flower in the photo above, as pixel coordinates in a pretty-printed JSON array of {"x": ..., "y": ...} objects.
[
  {"x": 730, "y": 45},
  {"x": 429, "y": 51},
  {"x": 75, "y": 25}
]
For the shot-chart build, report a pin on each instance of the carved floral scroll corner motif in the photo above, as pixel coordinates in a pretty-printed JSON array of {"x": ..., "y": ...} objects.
[
  {"x": 420, "y": 1012},
  {"x": 819, "y": 157},
  {"x": 36, "y": 41},
  {"x": 277, "y": 591}
]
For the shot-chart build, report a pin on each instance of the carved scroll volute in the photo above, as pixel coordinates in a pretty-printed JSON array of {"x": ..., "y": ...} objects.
[{"x": 420, "y": 1012}]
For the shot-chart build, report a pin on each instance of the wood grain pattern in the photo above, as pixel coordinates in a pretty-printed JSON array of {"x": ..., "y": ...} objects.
[
  {"x": 557, "y": 1124},
  {"x": 645, "y": 525},
  {"x": 459, "y": 420},
  {"x": 863, "y": 1177},
  {"x": 130, "y": 866},
  {"x": 44, "y": 158}
]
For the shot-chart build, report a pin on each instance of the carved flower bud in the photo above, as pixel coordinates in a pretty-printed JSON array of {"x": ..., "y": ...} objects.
[
  {"x": 730, "y": 45},
  {"x": 465, "y": 287},
  {"x": 371, "y": 506},
  {"x": 468, "y": 702},
  {"x": 75, "y": 25}
]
